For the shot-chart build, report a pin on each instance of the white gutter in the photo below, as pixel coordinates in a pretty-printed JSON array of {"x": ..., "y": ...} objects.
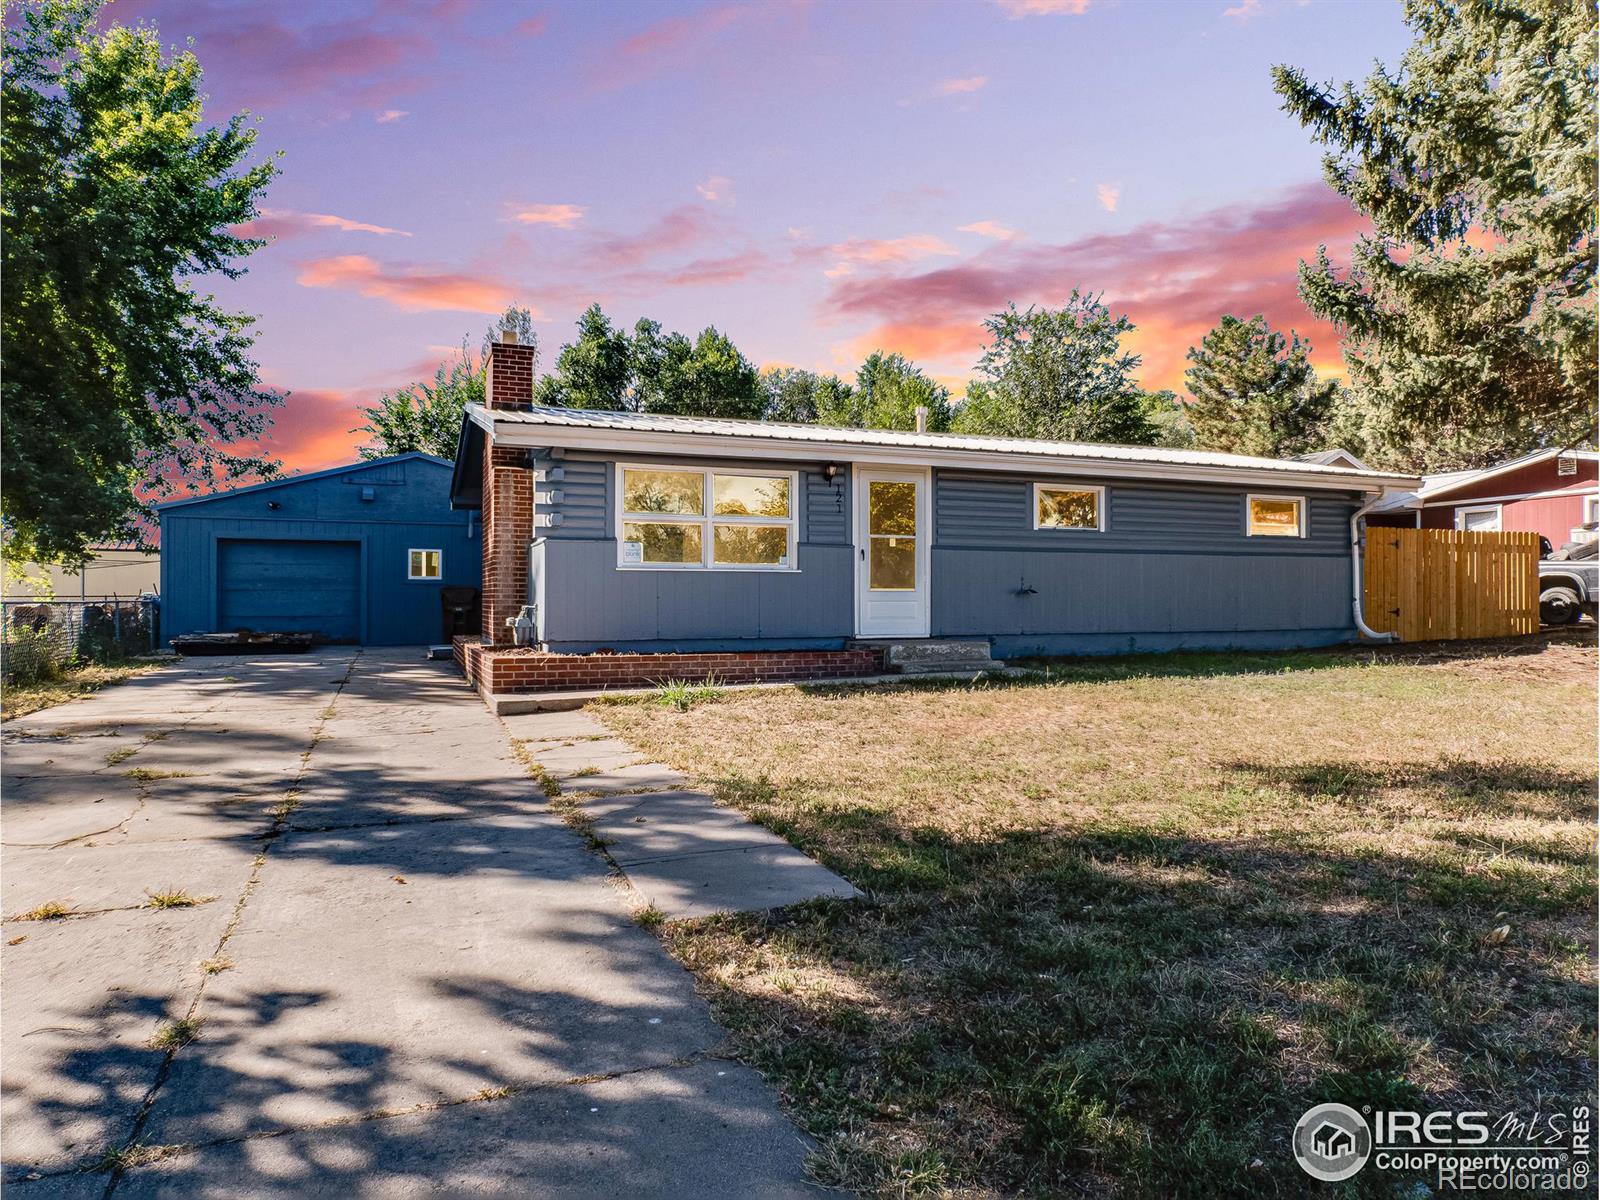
[{"x": 1356, "y": 519}]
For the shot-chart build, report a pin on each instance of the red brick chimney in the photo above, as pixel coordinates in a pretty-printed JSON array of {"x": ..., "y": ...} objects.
[{"x": 507, "y": 493}]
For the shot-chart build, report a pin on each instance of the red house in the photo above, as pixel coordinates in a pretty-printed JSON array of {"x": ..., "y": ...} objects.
[{"x": 1549, "y": 492}]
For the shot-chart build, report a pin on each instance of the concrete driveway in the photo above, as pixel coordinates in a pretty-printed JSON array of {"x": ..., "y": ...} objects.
[{"x": 404, "y": 977}]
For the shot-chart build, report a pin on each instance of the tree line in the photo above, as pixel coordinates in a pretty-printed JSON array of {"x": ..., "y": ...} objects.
[
  {"x": 1467, "y": 315},
  {"x": 1060, "y": 374}
]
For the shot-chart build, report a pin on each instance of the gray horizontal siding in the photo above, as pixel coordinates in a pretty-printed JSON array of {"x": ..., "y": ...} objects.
[
  {"x": 990, "y": 511},
  {"x": 985, "y": 593},
  {"x": 584, "y": 598},
  {"x": 583, "y": 499}
]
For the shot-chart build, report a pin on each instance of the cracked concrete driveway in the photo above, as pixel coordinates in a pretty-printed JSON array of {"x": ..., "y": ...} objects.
[{"x": 403, "y": 975}]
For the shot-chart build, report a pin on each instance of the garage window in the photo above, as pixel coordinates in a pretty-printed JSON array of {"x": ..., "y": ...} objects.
[{"x": 423, "y": 564}]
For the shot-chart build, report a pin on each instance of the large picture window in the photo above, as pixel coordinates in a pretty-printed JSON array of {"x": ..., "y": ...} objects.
[{"x": 677, "y": 518}]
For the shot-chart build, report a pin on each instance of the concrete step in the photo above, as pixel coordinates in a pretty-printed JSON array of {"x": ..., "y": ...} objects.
[{"x": 930, "y": 655}]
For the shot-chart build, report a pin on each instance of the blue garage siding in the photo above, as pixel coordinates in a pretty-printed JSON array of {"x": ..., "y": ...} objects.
[
  {"x": 1172, "y": 569},
  {"x": 384, "y": 509},
  {"x": 290, "y": 587}
]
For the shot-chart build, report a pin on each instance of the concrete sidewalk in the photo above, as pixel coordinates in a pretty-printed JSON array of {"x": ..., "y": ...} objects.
[
  {"x": 683, "y": 853},
  {"x": 417, "y": 980}
]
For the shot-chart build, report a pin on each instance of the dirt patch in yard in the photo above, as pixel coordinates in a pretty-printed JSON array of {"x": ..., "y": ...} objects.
[{"x": 1126, "y": 921}]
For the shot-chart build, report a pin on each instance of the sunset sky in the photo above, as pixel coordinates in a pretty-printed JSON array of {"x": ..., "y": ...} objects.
[{"x": 817, "y": 180}]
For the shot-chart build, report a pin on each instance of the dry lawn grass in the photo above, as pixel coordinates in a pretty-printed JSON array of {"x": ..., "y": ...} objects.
[
  {"x": 18, "y": 700},
  {"x": 1126, "y": 923}
]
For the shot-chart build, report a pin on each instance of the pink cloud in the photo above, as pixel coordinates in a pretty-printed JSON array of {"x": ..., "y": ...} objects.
[
  {"x": 1174, "y": 279},
  {"x": 1109, "y": 195},
  {"x": 678, "y": 230},
  {"x": 276, "y": 56},
  {"x": 390, "y": 115},
  {"x": 960, "y": 87},
  {"x": 410, "y": 289},
  {"x": 990, "y": 229},
  {"x": 1244, "y": 10},
  {"x": 532, "y": 26},
  {"x": 886, "y": 251},
  {"x": 1017, "y": 9},
  {"x": 718, "y": 189},
  {"x": 663, "y": 43},
  {"x": 285, "y": 222},
  {"x": 562, "y": 216}
]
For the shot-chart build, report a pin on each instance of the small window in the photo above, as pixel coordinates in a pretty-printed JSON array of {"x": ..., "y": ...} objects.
[
  {"x": 1276, "y": 516},
  {"x": 1485, "y": 518},
  {"x": 1591, "y": 510},
  {"x": 1060, "y": 507},
  {"x": 423, "y": 564},
  {"x": 673, "y": 517}
]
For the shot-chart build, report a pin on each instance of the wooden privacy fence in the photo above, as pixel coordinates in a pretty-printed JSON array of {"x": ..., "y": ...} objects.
[{"x": 1429, "y": 584}]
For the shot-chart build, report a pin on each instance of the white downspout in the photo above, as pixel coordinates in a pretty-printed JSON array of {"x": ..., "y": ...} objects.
[{"x": 1355, "y": 573}]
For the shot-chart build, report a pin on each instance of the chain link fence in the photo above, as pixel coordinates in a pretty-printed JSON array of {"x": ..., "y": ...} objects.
[{"x": 41, "y": 638}]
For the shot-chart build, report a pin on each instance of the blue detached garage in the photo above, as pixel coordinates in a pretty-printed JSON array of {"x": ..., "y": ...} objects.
[{"x": 357, "y": 554}]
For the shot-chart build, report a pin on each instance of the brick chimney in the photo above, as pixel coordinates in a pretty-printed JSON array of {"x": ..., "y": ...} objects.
[{"x": 507, "y": 493}]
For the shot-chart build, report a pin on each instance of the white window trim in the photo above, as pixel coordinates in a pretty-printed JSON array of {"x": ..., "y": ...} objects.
[
  {"x": 1590, "y": 510},
  {"x": 1302, "y": 508},
  {"x": 708, "y": 518},
  {"x": 1461, "y": 516},
  {"x": 1099, "y": 491},
  {"x": 424, "y": 551}
]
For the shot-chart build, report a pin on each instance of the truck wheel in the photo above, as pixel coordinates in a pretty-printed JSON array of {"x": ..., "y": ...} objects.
[{"x": 1559, "y": 606}]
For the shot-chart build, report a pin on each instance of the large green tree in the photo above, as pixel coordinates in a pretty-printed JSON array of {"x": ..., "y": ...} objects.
[
  {"x": 592, "y": 371},
  {"x": 122, "y": 380},
  {"x": 889, "y": 390},
  {"x": 652, "y": 371},
  {"x": 707, "y": 377},
  {"x": 1466, "y": 346},
  {"x": 427, "y": 416},
  {"x": 1256, "y": 392},
  {"x": 1059, "y": 374},
  {"x": 805, "y": 397}
]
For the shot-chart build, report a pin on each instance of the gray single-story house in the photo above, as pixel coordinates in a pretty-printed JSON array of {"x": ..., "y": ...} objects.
[
  {"x": 354, "y": 554},
  {"x": 638, "y": 532}
]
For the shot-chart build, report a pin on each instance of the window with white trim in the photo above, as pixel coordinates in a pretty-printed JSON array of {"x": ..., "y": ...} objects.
[
  {"x": 424, "y": 564},
  {"x": 1275, "y": 516},
  {"x": 1591, "y": 510},
  {"x": 1481, "y": 518},
  {"x": 1068, "y": 506},
  {"x": 688, "y": 518}
]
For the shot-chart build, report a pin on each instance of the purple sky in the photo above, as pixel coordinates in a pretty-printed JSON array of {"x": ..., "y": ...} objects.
[{"x": 818, "y": 180}]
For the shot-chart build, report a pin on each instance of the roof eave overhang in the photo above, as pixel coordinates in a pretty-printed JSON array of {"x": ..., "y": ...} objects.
[{"x": 572, "y": 437}]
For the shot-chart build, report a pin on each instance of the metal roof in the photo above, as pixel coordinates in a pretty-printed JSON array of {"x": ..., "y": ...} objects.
[
  {"x": 285, "y": 480},
  {"x": 641, "y": 428}
]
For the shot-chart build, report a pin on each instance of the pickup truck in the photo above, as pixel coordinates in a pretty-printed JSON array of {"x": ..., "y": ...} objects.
[{"x": 1569, "y": 583}]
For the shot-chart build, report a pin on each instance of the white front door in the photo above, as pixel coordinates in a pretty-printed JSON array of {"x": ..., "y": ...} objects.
[{"x": 891, "y": 553}]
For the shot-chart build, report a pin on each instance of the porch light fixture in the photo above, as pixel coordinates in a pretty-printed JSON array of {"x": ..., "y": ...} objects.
[{"x": 830, "y": 472}]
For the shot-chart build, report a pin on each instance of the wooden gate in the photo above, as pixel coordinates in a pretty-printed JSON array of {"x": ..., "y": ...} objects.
[{"x": 1429, "y": 584}]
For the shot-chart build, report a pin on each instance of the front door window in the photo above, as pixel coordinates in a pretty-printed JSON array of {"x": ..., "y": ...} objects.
[{"x": 892, "y": 532}]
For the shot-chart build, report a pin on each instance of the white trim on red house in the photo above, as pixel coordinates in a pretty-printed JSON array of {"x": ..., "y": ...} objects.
[{"x": 1581, "y": 490}]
